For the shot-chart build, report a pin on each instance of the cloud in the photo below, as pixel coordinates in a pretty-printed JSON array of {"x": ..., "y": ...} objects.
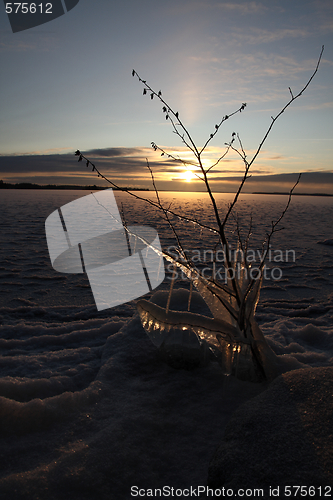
[
  {"x": 243, "y": 8},
  {"x": 116, "y": 152},
  {"x": 28, "y": 41},
  {"x": 200, "y": 8},
  {"x": 321, "y": 105},
  {"x": 246, "y": 73},
  {"x": 127, "y": 167},
  {"x": 260, "y": 35},
  {"x": 255, "y": 63},
  {"x": 120, "y": 163},
  {"x": 63, "y": 163},
  {"x": 16, "y": 46}
]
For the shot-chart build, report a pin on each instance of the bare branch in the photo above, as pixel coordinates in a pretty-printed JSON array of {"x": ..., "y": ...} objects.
[
  {"x": 293, "y": 98},
  {"x": 226, "y": 117},
  {"x": 274, "y": 119}
]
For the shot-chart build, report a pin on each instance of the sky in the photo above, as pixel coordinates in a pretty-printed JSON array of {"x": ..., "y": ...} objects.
[{"x": 68, "y": 85}]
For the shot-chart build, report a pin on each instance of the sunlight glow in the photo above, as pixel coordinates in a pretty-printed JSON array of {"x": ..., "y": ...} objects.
[{"x": 188, "y": 175}]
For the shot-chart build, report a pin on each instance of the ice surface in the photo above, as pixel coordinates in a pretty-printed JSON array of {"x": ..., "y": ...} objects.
[
  {"x": 283, "y": 437},
  {"x": 326, "y": 242}
]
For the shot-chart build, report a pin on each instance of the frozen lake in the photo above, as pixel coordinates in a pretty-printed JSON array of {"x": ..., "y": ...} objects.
[{"x": 65, "y": 364}]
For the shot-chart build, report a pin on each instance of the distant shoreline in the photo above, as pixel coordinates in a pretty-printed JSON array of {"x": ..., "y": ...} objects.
[{"x": 28, "y": 185}]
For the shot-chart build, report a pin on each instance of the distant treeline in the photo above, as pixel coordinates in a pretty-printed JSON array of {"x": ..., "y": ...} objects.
[{"x": 29, "y": 185}]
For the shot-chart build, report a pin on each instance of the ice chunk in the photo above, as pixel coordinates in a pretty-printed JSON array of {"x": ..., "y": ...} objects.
[{"x": 245, "y": 355}]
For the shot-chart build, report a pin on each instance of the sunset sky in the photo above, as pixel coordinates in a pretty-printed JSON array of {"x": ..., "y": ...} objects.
[{"x": 67, "y": 85}]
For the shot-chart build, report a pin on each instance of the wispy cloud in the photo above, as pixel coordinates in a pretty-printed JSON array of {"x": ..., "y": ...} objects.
[
  {"x": 320, "y": 105},
  {"x": 253, "y": 76},
  {"x": 252, "y": 64},
  {"x": 254, "y": 35},
  {"x": 16, "y": 46},
  {"x": 28, "y": 41},
  {"x": 243, "y": 8}
]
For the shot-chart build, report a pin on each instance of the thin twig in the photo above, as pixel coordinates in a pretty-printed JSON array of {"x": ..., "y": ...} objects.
[{"x": 274, "y": 119}]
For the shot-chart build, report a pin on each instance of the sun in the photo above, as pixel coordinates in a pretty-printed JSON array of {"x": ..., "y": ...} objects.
[{"x": 188, "y": 175}]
